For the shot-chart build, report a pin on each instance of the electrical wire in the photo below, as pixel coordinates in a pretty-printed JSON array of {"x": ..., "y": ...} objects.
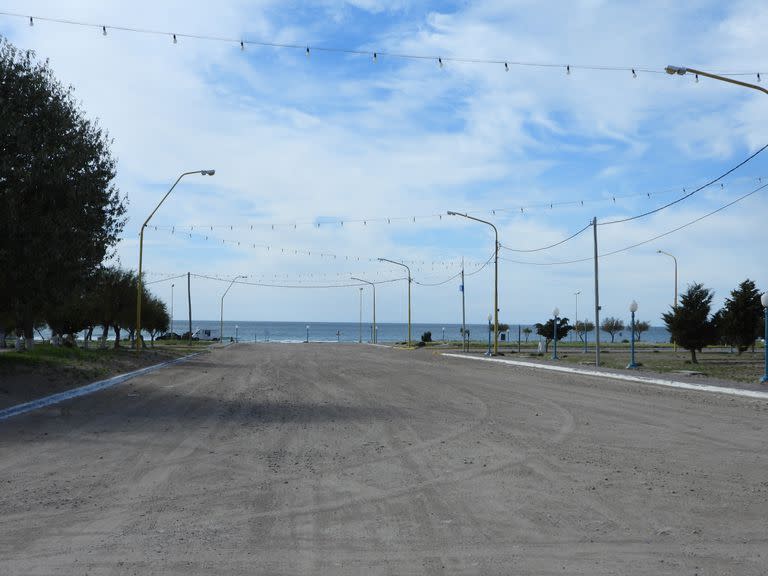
[
  {"x": 299, "y": 286},
  {"x": 551, "y": 245},
  {"x": 485, "y": 264},
  {"x": 643, "y": 215},
  {"x": 374, "y": 54},
  {"x": 667, "y": 233}
]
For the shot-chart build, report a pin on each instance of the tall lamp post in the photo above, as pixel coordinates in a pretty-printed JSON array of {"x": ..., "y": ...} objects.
[
  {"x": 682, "y": 70},
  {"x": 221, "y": 321},
  {"x": 141, "y": 251},
  {"x": 555, "y": 313},
  {"x": 674, "y": 306},
  {"x": 764, "y": 302},
  {"x": 496, "y": 277},
  {"x": 360, "y": 333},
  {"x": 307, "y": 340},
  {"x": 632, "y": 365},
  {"x": 374, "y": 335},
  {"x": 409, "y": 293},
  {"x": 172, "y": 286}
]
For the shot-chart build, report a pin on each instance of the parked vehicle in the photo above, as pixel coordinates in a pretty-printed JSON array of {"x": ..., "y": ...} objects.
[{"x": 206, "y": 334}]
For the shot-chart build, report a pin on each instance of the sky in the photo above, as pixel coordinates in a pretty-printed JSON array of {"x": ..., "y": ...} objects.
[{"x": 328, "y": 161}]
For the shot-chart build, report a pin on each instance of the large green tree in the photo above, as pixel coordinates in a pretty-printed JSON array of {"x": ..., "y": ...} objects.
[
  {"x": 60, "y": 212},
  {"x": 547, "y": 330},
  {"x": 741, "y": 316},
  {"x": 690, "y": 323}
]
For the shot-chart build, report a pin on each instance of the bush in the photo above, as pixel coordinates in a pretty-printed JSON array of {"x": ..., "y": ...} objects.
[{"x": 427, "y": 336}]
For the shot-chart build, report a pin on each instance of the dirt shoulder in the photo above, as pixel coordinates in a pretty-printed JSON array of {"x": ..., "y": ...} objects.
[{"x": 46, "y": 370}]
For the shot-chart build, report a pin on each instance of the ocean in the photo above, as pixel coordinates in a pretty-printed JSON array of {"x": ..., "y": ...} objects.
[{"x": 290, "y": 332}]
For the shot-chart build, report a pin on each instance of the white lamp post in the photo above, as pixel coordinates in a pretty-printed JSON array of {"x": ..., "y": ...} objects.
[
  {"x": 632, "y": 365},
  {"x": 555, "y": 313},
  {"x": 307, "y": 340},
  {"x": 764, "y": 302}
]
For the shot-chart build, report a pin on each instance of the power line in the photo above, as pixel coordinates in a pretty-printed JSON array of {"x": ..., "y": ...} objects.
[
  {"x": 484, "y": 265},
  {"x": 298, "y": 286},
  {"x": 551, "y": 245},
  {"x": 374, "y": 55},
  {"x": 739, "y": 165},
  {"x": 667, "y": 233}
]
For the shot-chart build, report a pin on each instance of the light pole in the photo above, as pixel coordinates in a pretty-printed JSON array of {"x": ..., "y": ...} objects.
[
  {"x": 489, "y": 335},
  {"x": 632, "y": 365},
  {"x": 674, "y": 306},
  {"x": 374, "y": 335},
  {"x": 443, "y": 333},
  {"x": 496, "y": 277},
  {"x": 172, "y": 285},
  {"x": 764, "y": 302},
  {"x": 221, "y": 321},
  {"x": 555, "y": 313},
  {"x": 360, "y": 334},
  {"x": 576, "y": 322},
  {"x": 409, "y": 293},
  {"x": 236, "y": 328},
  {"x": 141, "y": 251},
  {"x": 682, "y": 70},
  {"x": 307, "y": 340}
]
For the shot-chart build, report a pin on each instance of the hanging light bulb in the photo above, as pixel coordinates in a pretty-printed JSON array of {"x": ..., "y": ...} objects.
[
  {"x": 375, "y": 57},
  {"x": 634, "y": 74},
  {"x": 307, "y": 52},
  {"x": 440, "y": 62},
  {"x": 103, "y": 30},
  {"x": 697, "y": 78},
  {"x": 242, "y": 46},
  {"x": 174, "y": 39},
  {"x": 31, "y": 21},
  {"x": 758, "y": 76},
  {"x": 568, "y": 69},
  {"x": 506, "y": 67}
]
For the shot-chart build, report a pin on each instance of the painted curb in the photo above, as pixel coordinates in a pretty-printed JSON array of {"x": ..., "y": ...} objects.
[
  {"x": 655, "y": 381},
  {"x": 87, "y": 389}
]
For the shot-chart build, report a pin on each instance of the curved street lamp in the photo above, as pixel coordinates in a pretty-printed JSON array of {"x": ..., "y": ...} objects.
[
  {"x": 632, "y": 365},
  {"x": 675, "y": 300},
  {"x": 409, "y": 293},
  {"x": 374, "y": 335},
  {"x": 141, "y": 251},
  {"x": 495, "y": 276},
  {"x": 682, "y": 70},
  {"x": 221, "y": 321}
]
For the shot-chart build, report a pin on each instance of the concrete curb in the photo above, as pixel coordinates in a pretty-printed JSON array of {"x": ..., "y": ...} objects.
[
  {"x": 626, "y": 377},
  {"x": 87, "y": 389}
]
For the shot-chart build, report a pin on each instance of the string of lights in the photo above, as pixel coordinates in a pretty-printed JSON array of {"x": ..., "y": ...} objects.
[
  {"x": 442, "y": 282},
  {"x": 374, "y": 55},
  {"x": 319, "y": 223},
  {"x": 296, "y": 286},
  {"x": 649, "y": 240}
]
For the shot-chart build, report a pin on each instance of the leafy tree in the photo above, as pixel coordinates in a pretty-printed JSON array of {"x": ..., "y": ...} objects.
[
  {"x": 547, "y": 330},
  {"x": 583, "y": 327},
  {"x": 640, "y": 327},
  {"x": 741, "y": 316},
  {"x": 612, "y": 326},
  {"x": 527, "y": 331},
  {"x": 427, "y": 336},
  {"x": 61, "y": 214},
  {"x": 689, "y": 323},
  {"x": 155, "y": 317}
]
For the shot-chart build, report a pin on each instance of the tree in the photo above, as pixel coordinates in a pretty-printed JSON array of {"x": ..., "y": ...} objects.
[
  {"x": 612, "y": 326},
  {"x": 583, "y": 327},
  {"x": 741, "y": 316},
  {"x": 61, "y": 214},
  {"x": 155, "y": 317},
  {"x": 426, "y": 336},
  {"x": 547, "y": 330},
  {"x": 640, "y": 327},
  {"x": 527, "y": 331},
  {"x": 689, "y": 323}
]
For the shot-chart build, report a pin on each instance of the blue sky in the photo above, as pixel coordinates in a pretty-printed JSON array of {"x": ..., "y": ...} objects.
[{"x": 337, "y": 136}]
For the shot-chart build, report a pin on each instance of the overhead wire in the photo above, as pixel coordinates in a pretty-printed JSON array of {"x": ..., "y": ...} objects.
[
  {"x": 241, "y": 43},
  {"x": 630, "y": 247}
]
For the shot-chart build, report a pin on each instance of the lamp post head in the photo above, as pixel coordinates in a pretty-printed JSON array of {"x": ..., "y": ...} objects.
[
  {"x": 489, "y": 318},
  {"x": 207, "y": 172},
  {"x": 556, "y": 312},
  {"x": 633, "y": 307},
  {"x": 676, "y": 70},
  {"x": 764, "y": 299}
]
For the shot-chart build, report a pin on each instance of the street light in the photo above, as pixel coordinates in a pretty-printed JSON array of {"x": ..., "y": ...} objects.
[
  {"x": 489, "y": 335},
  {"x": 496, "y": 277},
  {"x": 221, "y": 322},
  {"x": 632, "y": 365},
  {"x": 236, "y": 328},
  {"x": 555, "y": 313},
  {"x": 764, "y": 302},
  {"x": 307, "y": 340},
  {"x": 443, "y": 333},
  {"x": 674, "y": 306},
  {"x": 141, "y": 251},
  {"x": 409, "y": 293},
  {"x": 576, "y": 322},
  {"x": 681, "y": 71},
  {"x": 172, "y": 286},
  {"x": 374, "y": 334}
]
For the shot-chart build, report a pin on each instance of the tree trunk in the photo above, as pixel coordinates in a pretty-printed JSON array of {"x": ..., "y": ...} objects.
[
  {"x": 693, "y": 356},
  {"x": 29, "y": 335},
  {"x": 104, "y": 334},
  {"x": 612, "y": 337},
  {"x": 2, "y": 338},
  {"x": 117, "y": 336}
]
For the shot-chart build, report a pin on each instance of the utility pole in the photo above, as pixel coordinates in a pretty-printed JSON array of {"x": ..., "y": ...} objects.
[
  {"x": 597, "y": 299},
  {"x": 360, "y": 336},
  {"x": 463, "y": 310},
  {"x": 189, "y": 300}
]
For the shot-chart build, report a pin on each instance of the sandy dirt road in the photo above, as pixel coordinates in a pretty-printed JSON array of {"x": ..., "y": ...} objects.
[{"x": 345, "y": 459}]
